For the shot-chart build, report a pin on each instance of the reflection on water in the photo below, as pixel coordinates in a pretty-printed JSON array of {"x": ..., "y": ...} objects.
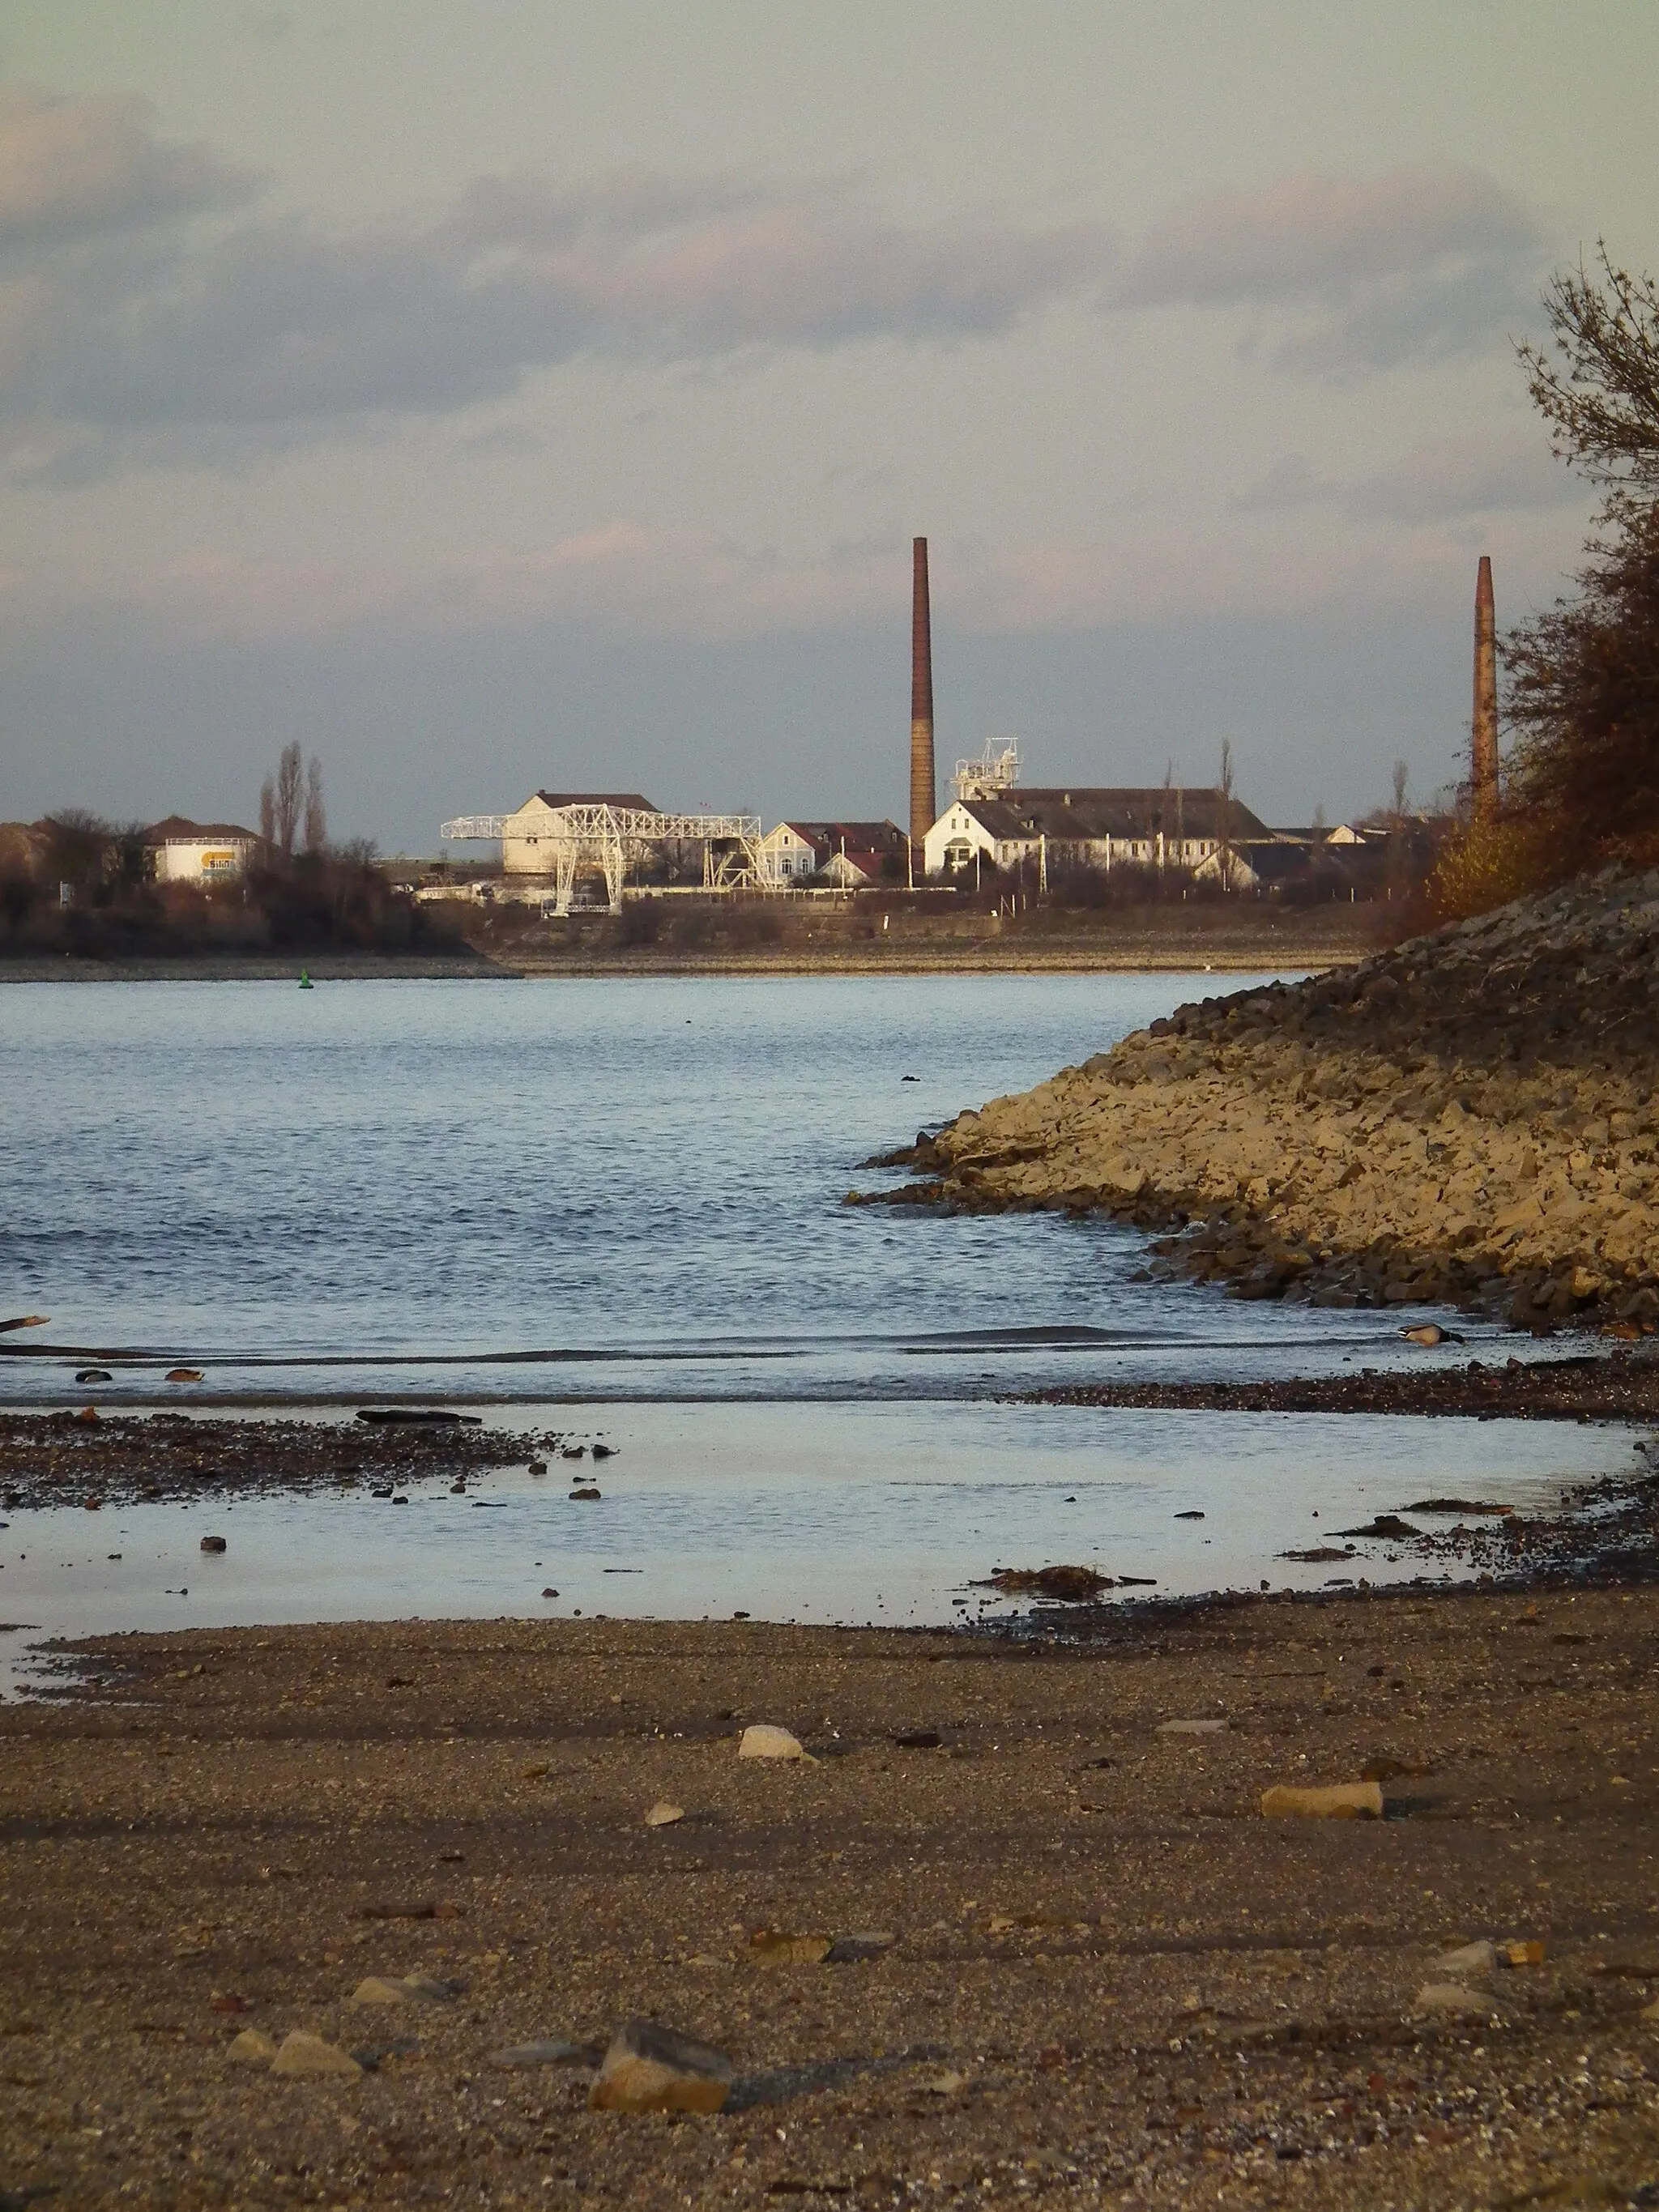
[{"x": 810, "y": 1512}]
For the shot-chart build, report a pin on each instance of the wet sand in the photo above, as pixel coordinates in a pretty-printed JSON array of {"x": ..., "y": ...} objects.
[
  {"x": 95, "y": 1459},
  {"x": 1113, "y": 1980},
  {"x": 1576, "y": 1386}
]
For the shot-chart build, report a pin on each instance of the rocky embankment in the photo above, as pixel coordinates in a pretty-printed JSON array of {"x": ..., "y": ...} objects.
[{"x": 1469, "y": 1117}]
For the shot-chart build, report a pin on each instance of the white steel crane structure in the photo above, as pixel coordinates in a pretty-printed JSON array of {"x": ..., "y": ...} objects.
[{"x": 614, "y": 839}]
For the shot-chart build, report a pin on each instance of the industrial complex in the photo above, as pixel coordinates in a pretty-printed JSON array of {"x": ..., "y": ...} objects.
[{"x": 559, "y": 849}]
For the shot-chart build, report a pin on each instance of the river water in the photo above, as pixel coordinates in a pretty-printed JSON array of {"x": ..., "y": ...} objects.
[{"x": 618, "y": 1204}]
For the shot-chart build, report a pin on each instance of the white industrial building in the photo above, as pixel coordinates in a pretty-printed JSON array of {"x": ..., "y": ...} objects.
[
  {"x": 182, "y": 851},
  {"x": 1093, "y": 829}
]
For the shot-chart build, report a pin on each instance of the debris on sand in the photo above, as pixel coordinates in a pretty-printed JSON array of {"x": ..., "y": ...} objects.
[
  {"x": 1069, "y": 1582},
  {"x": 1386, "y": 1524},
  {"x": 427, "y": 1417}
]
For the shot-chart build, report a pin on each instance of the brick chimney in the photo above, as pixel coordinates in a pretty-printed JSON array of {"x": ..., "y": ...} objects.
[{"x": 922, "y": 806}]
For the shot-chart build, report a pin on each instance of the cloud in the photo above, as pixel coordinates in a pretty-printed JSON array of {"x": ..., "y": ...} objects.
[
  {"x": 1438, "y": 480},
  {"x": 148, "y": 317},
  {"x": 74, "y": 165},
  {"x": 256, "y": 325},
  {"x": 1411, "y": 263}
]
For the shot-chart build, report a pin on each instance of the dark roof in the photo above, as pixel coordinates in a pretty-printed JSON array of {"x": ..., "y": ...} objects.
[
  {"x": 617, "y": 799},
  {"x": 179, "y": 829},
  {"x": 1277, "y": 860},
  {"x": 857, "y": 836},
  {"x": 1081, "y": 813}
]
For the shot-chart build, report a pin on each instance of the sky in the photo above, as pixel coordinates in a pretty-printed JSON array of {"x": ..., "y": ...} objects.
[{"x": 533, "y": 394}]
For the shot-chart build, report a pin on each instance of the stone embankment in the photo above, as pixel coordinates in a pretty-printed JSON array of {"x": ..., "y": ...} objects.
[{"x": 1469, "y": 1117}]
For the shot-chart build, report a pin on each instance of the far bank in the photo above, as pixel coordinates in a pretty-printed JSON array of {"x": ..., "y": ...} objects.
[{"x": 760, "y": 939}]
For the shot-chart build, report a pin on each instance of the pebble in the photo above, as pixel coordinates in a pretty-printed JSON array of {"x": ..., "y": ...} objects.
[
  {"x": 213, "y": 1543},
  {"x": 1472, "y": 1959},
  {"x": 1338, "y": 1801},
  {"x": 853, "y": 1950},
  {"x": 303, "y": 2053},
  {"x": 250, "y": 2048},
  {"x": 1452, "y": 1997},
  {"x": 775, "y": 1947},
  {"x": 1191, "y": 1728},
  {"x": 555, "y": 2051},
  {"x": 652, "y": 2068},
  {"x": 763, "y": 1740},
  {"x": 662, "y": 1815}
]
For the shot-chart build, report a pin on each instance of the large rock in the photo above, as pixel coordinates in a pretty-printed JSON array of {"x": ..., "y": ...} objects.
[{"x": 652, "y": 2068}]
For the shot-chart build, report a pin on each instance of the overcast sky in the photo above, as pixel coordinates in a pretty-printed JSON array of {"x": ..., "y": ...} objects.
[{"x": 524, "y": 392}]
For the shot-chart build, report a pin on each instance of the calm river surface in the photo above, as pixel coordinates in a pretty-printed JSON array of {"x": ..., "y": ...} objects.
[{"x": 618, "y": 1204}]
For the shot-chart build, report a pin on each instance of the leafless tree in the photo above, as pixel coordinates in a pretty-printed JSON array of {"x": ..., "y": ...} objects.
[
  {"x": 316, "y": 825},
  {"x": 291, "y": 782},
  {"x": 1401, "y": 778},
  {"x": 268, "y": 814},
  {"x": 1224, "y": 816},
  {"x": 1603, "y": 403}
]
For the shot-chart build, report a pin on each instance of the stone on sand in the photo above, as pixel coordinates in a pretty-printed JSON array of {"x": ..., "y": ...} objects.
[
  {"x": 652, "y": 2068},
  {"x": 304, "y": 2053},
  {"x": 763, "y": 1740}
]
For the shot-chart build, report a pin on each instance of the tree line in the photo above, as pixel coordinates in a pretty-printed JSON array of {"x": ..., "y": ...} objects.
[{"x": 1580, "y": 689}]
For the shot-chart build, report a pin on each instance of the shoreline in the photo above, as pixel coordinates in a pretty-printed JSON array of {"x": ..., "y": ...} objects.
[
  {"x": 1234, "y": 951},
  {"x": 1468, "y": 1119},
  {"x": 1083, "y": 1961}
]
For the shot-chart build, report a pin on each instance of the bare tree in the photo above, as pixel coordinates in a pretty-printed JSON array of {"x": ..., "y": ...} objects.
[
  {"x": 1163, "y": 816},
  {"x": 1602, "y": 405},
  {"x": 1401, "y": 778},
  {"x": 316, "y": 826},
  {"x": 1224, "y": 816},
  {"x": 268, "y": 814},
  {"x": 290, "y": 778}
]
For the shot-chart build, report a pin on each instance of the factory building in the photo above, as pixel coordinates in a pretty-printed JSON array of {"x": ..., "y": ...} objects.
[
  {"x": 180, "y": 851},
  {"x": 1094, "y": 828}
]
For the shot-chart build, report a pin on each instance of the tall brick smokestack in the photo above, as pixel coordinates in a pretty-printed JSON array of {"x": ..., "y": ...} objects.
[
  {"x": 1483, "y": 729},
  {"x": 922, "y": 809}
]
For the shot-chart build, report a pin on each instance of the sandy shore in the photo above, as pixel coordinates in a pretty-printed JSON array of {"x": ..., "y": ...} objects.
[{"x": 1112, "y": 1981}]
